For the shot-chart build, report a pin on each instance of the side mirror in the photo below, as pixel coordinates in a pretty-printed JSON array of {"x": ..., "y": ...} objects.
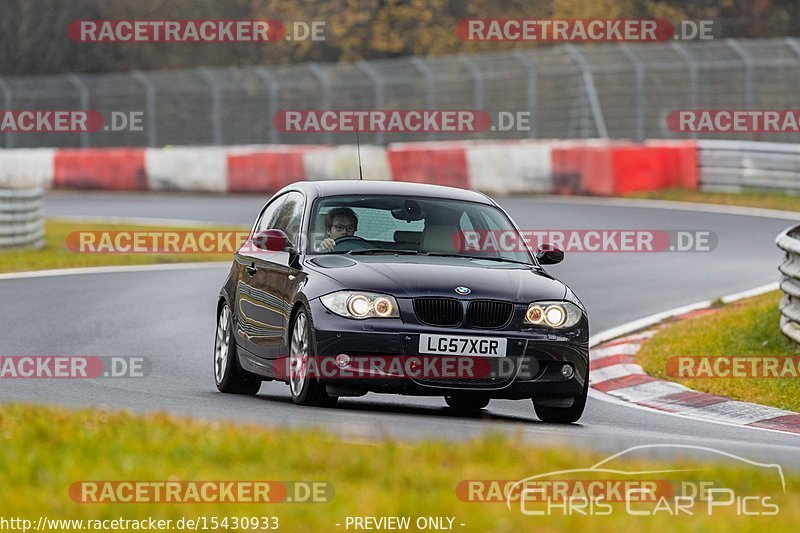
[
  {"x": 271, "y": 240},
  {"x": 549, "y": 254}
]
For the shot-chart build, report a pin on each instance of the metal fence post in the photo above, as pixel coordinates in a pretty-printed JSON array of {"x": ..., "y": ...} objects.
[
  {"x": 326, "y": 92},
  {"x": 216, "y": 106},
  {"x": 530, "y": 70},
  {"x": 569, "y": 131},
  {"x": 640, "y": 96},
  {"x": 478, "y": 92},
  {"x": 272, "y": 87},
  {"x": 83, "y": 91},
  {"x": 430, "y": 85},
  {"x": 377, "y": 84},
  {"x": 747, "y": 59},
  {"x": 692, "y": 64},
  {"x": 590, "y": 90},
  {"x": 7, "y": 97},
  {"x": 150, "y": 106}
]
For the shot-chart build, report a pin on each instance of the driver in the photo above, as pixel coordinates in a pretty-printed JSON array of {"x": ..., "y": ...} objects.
[{"x": 339, "y": 222}]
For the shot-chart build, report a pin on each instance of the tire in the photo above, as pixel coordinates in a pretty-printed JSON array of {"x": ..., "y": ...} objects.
[
  {"x": 466, "y": 404},
  {"x": 228, "y": 374},
  {"x": 563, "y": 415},
  {"x": 306, "y": 390}
]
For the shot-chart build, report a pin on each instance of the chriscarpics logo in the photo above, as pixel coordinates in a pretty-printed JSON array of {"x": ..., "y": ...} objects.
[{"x": 611, "y": 486}]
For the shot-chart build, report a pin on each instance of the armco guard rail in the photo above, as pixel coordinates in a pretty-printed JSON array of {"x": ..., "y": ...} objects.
[
  {"x": 21, "y": 220},
  {"x": 789, "y": 241},
  {"x": 730, "y": 166}
]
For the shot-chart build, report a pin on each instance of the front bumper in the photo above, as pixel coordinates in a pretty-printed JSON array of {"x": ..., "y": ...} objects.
[{"x": 531, "y": 368}]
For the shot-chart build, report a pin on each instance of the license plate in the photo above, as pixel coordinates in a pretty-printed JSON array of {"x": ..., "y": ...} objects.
[{"x": 450, "y": 345}]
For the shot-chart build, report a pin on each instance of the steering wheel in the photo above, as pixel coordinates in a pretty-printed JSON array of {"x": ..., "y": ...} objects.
[{"x": 355, "y": 241}]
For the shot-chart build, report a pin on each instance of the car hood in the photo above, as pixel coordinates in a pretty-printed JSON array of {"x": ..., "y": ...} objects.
[{"x": 414, "y": 276}]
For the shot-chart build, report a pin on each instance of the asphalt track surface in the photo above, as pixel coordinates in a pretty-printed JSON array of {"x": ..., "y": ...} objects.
[{"x": 168, "y": 317}]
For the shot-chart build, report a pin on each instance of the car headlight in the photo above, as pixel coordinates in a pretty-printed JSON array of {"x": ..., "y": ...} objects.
[
  {"x": 360, "y": 305},
  {"x": 557, "y": 315}
]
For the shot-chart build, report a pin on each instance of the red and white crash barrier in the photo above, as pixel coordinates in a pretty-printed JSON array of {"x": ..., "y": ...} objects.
[{"x": 498, "y": 167}]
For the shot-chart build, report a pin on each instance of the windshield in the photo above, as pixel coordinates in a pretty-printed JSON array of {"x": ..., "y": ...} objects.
[{"x": 412, "y": 225}]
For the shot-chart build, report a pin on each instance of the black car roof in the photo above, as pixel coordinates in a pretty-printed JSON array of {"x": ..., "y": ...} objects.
[{"x": 400, "y": 188}]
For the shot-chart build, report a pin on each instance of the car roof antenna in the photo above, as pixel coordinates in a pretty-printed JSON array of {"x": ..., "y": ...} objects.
[{"x": 358, "y": 148}]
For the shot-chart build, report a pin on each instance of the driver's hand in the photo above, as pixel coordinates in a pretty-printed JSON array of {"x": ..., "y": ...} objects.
[{"x": 327, "y": 245}]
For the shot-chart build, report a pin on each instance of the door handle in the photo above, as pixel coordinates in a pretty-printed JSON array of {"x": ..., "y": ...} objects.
[{"x": 252, "y": 269}]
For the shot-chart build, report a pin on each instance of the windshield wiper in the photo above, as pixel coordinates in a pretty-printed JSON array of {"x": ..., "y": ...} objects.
[
  {"x": 375, "y": 251},
  {"x": 499, "y": 259}
]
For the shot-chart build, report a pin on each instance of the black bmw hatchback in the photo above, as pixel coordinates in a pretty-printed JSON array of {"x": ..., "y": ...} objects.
[{"x": 350, "y": 287}]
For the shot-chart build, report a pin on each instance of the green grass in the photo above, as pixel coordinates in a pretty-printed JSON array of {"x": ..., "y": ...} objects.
[
  {"x": 44, "y": 450},
  {"x": 746, "y": 198},
  {"x": 746, "y": 328},
  {"x": 55, "y": 253}
]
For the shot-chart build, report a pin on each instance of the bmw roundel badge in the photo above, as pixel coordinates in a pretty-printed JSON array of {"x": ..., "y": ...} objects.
[{"x": 463, "y": 290}]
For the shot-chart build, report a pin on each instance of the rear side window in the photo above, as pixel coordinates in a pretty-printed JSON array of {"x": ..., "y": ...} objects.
[
  {"x": 270, "y": 214},
  {"x": 290, "y": 216},
  {"x": 286, "y": 214}
]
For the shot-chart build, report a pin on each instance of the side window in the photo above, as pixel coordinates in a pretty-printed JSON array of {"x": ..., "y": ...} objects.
[
  {"x": 290, "y": 217},
  {"x": 284, "y": 213},
  {"x": 270, "y": 214}
]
